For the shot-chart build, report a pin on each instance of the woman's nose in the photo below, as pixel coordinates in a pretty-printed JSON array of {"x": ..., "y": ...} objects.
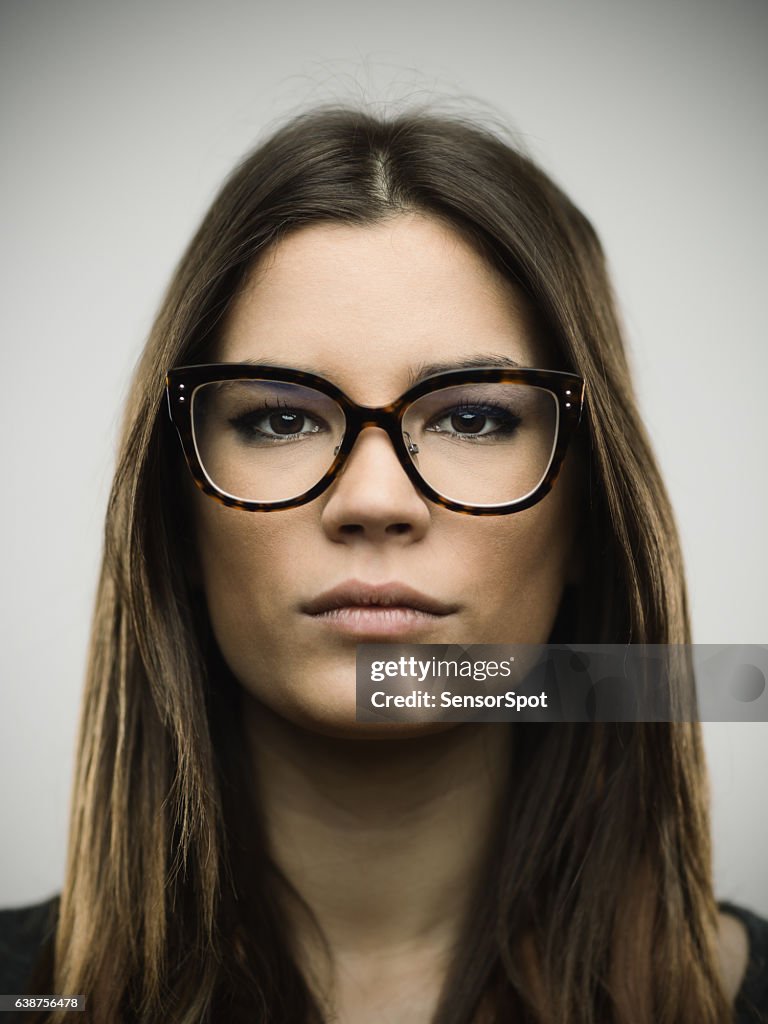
[{"x": 372, "y": 498}]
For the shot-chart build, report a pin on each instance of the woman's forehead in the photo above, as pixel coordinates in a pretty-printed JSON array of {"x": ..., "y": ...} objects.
[{"x": 368, "y": 304}]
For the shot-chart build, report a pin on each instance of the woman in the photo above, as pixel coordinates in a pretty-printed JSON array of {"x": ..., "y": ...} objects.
[{"x": 242, "y": 848}]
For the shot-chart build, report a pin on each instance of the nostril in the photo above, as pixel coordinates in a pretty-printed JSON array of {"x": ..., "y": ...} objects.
[
  {"x": 352, "y": 528},
  {"x": 398, "y": 528}
]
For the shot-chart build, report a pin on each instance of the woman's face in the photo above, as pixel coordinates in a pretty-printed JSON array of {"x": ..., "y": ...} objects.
[{"x": 369, "y": 308}]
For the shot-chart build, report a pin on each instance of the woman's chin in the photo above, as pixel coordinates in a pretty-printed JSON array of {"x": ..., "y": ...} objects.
[{"x": 329, "y": 708}]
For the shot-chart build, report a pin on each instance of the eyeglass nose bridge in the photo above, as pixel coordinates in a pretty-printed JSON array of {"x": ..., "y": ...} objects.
[{"x": 386, "y": 419}]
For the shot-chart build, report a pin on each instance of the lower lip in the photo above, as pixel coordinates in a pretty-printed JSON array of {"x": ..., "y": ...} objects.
[{"x": 377, "y": 622}]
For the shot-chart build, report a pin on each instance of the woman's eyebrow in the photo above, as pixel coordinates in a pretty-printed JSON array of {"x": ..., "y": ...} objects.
[
  {"x": 282, "y": 364},
  {"x": 423, "y": 370}
]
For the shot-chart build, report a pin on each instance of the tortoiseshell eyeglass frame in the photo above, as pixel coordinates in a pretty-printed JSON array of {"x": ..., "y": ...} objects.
[{"x": 567, "y": 388}]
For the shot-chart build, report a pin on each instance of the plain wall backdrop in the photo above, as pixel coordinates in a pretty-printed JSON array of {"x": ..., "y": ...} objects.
[{"x": 119, "y": 121}]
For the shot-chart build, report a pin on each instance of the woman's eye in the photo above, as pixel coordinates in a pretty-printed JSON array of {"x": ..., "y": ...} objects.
[
  {"x": 275, "y": 424},
  {"x": 475, "y": 422}
]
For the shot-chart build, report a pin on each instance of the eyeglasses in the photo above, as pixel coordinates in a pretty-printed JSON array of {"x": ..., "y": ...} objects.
[{"x": 482, "y": 441}]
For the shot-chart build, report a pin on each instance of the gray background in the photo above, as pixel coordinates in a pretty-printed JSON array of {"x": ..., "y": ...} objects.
[{"x": 118, "y": 122}]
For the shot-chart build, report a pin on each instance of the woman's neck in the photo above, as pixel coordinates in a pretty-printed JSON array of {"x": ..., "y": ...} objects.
[{"x": 385, "y": 840}]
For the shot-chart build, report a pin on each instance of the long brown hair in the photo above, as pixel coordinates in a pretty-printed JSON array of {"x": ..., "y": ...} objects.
[{"x": 599, "y": 905}]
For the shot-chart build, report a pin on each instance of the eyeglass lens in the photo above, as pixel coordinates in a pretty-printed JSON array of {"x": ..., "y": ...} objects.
[{"x": 477, "y": 444}]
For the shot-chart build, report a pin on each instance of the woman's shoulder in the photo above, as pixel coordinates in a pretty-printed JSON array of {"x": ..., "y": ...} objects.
[
  {"x": 752, "y": 997},
  {"x": 25, "y": 930},
  {"x": 23, "y": 933}
]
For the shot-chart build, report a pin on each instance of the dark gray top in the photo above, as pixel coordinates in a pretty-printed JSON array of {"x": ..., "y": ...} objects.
[{"x": 24, "y": 930}]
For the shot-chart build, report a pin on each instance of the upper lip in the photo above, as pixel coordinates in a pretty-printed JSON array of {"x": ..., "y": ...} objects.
[{"x": 356, "y": 594}]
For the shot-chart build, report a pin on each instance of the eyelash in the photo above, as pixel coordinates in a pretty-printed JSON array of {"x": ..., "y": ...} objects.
[
  {"x": 245, "y": 422},
  {"x": 494, "y": 412}
]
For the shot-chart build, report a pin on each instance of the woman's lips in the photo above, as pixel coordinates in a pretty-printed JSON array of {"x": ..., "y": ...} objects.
[
  {"x": 376, "y": 622},
  {"x": 364, "y": 610}
]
